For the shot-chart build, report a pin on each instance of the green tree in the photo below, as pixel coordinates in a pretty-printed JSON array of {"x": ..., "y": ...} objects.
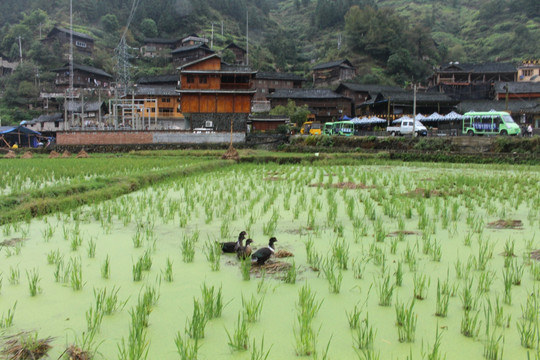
[
  {"x": 149, "y": 28},
  {"x": 228, "y": 56},
  {"x": 297, "y": 114},
  {"x": 110, "y": 22}
]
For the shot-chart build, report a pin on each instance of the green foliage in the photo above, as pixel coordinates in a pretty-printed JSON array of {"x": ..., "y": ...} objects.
[
  {"x": 149, "y": 28},
  {"x": 297, "y": 114},
  {"x": 110, "y": 22}
]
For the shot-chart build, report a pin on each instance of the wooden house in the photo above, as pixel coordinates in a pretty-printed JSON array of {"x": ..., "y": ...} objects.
[
  {"x": 516, "y": 90},
  {"x": 84, "y": 76},
  {"x": 193, "y": 39},
  {"x": 208, "y": 88},
  {"x": 529, "y": 70},
  {"x": 157, "y": 47},
  {"x": 268, "y": 82},
  {"x": 47, "y": 124},
  {"x": 332, "y": 72},
  {"x": 82, "y": 43},
  {"x": 325, "y": 104},
  {"x": 187, "y": 54},
  {"x": 240, "y": 54},
  {"x": 265, "y": 123},
  {"x": 360, "y": 93},
  {"x": 86, "y": 115},
  {"x": 7, "y": 67},
  {"x": 471, "y": 81}
]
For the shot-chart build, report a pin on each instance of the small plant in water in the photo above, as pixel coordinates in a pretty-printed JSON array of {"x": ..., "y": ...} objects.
[
  {"x": 105, "y": 268},
  {"x": 187, "y": 348},
  {"x": 239, "y": 339},
  {"x": 6, "y": 320},
  {"x": 406, "y": 322},
  {"x": 33, "y": 281}
]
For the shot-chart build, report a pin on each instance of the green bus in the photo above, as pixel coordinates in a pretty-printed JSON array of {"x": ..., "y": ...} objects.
[
  {"x": 489, "y": 123},
  {"x": 344, "y": 128},
  {"x": 328, "y": 128}
]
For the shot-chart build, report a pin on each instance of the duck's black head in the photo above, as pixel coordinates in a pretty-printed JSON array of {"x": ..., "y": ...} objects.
[
  {"x": 272, "y": 240},
  {"x": 242, "y": 235},
  {"x": 249, "y": 241}
]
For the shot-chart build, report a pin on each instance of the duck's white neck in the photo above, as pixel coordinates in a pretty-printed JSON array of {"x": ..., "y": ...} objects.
[{"x": 271, "y": 248}]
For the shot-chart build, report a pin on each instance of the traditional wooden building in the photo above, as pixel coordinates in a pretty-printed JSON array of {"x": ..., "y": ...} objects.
[
  {"x": 332, "y": 72},
  {"x": 85, "y": 114},
  {"x": 187, "y": 54},
  {"x": 360, "y": 93},
  {"x": 240, "y": 54},
  {"x": 158, "y": 47},
  {"x": 529, "y": 70},
  {"x": 516, "y": 90},
  {"x": 392, "y": 104},
  {"x": 7, "y": 67},
  {"x": 82, "y": 43},
  {"x": 471, "y": 81},
  {"x": 84, "y": 76},
  {"x": 193, "y": 39},
  {"x": 216, "y": 92},
  {"x": 326, "y": 105},
  {"x": 267, "y": 122},
  {"x": 268, "y": 82},
  {"x": 47, "y": 124}
]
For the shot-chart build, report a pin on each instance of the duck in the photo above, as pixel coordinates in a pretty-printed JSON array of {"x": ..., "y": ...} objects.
[
  {"x": 260, "y": 256},
  {"x": 244, "y": 251},
  {"x": 233, "y": 246}
]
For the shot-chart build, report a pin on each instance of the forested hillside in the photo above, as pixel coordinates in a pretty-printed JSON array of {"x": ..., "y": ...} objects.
[{"x": 390, "y": 41}]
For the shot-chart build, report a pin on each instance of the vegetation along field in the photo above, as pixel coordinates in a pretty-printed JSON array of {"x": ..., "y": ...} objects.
[{"x": 374, "y": 259}]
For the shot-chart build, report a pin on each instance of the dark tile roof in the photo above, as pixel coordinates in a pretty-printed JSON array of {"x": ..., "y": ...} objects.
[
  {"x": 75, "y": 33},
  {"x": 160, "y": 41},
  {"x": 480, "y": 68},
  {"x": 341, "y": 63},
  {"x": 158, "y": 79},
  {"x": 231, "y": 45},
  {"x": 487, "y": 105},
  {"x": 155, "y": 90},
  {"x": 369, "y": 88},
  {"x": 517, "y": 87},
  {"x": 305, "y": 94},
  {"x": 279, "y": 76},
  {"x": 75, "y": 106},
  {"x": 47, "y": 118},
  {"x": 85, "y": 68},
  {"x": 236, "y": 68},
  {"x": 424, "y": 97},
  {"x": 192, "y": 47}
]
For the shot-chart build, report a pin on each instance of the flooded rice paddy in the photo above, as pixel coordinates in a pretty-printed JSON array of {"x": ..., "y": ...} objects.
[{"x": 395, "y": 259}]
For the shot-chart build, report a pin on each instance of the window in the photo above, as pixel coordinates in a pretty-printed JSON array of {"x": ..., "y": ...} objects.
[
  {"x": 166, "y": 111},
  {"x": 56, "y": 124},
  {"x": 166, "y": 100},
  {"x": 80, "y": 44},
  {"x": 203, "y": 79},
  {"x": 527, "y": 72},
  {"x": 190, "y": 79}
]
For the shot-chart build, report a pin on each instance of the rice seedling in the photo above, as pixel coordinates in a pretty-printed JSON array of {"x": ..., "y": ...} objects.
[
  {"x": 358, "y": 267},
  {"x": 385, "y": 290},
  {"x": 493, "y": 347},
  {"x": 137, "y": 271},
  {"x": 421, "y": 286},
  {"x": 409, "y": 257},
  {"x": 517, "y": 273},
  {"x": 168, "y": 271},
  {"x": 188, "y": 249},
  {"x": 469, "y": 299},
  {"x": 485, "y": 280},
  {"x": 106, "y": 268},
  {"x": 14, "y": 276},
  {"x": 435, "y": 352},
  {"x": 75, "y": 274},
  {"x": 33, "y": 281},
  {"x": 252, "y": 308},
  {"x": 353, "y": 317},
  {"x": 186, "y": 348},
  {"x": 509, "y": 248},
  {"x": 54, "y": 257},
  {"x": 137, "y": 239},
  {"x": 111, "y": 303},
  {"x": 443, "y": 297},
  {"x": 406, "y": 320},
  {"x": 436, "y": 251},
  {"x": 91, "y": 248},
  {"x": 470, "y": 326},
  {"x": 137, "y": 345},
  {"x": 196, "y": 325},
  {"x": 213, "y": 254},
  {"x": 239, "y": 340},
  {"x": 528, "y": 333},
  {"x": 26, "y": 345},
  {"x": 341, "y": 253},
  {"x": 399, "y": 274},
  {"x": 245, "y": 269},
  {"x": 535, "y": 270},
  {"x": 379, "y": 230},
  {"x": 291, "y": 274},
  {"x": 333, "y": 274},
  {"x": 259, "y": 353},
  {"x": 94, "y": 315},
  {"x": 508, "y": 277},
  {"x": 146, "y": 260},
  {"x": 364, "y": 334},
  {"x": 48, "y": 233},
  {"x": 6, "y": 320},
  {"x": 213, "y": 301}
]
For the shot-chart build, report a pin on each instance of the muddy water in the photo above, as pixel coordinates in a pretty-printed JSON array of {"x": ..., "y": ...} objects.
[{"x": 60, "y": 311}]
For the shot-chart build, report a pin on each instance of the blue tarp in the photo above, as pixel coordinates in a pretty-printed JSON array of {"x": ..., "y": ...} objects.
[{"x": 19, "y": 135}]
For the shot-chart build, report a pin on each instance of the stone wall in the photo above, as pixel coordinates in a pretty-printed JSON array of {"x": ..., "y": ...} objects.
[{"x": 221, "y": 122}]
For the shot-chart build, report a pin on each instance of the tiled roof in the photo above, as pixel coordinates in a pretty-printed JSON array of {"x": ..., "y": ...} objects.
[
  {"x": 160, "y": 41},
  {"x": 487, "y": 105},
  {"x": 517, "y": 87},
  {"x": 305, "y": 94},
  {"x": 158, "y": 79},
  {"x": 231, "y": 45},
  {"x": 343, "y": 62},
  {"x": 369, "y": 88},
  {"x": 424, "y": 97},
  {"x": 480, "y": 68},
  {"x": 47, "y": 118},
  {"x": 155, "y": 90},
  {"x": 279, "y": 76},
  {"x": 85, "y": 68},
  {"x": 75, "y": 106},
  {"x": 75, "y": 33},
  {"x": 192, "y": 47}
]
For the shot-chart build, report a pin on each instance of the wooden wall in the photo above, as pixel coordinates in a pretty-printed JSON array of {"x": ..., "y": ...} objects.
[{"x": 216, "y": 103}]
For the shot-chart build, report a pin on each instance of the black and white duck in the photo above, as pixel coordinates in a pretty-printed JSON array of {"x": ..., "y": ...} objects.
[
  {"x": 260, "y": 256},
  {"x": 233, "y": 246},
  {"x": 244, "y": 251}
]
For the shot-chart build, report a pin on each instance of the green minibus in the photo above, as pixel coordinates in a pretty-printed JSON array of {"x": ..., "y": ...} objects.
[{"x": 489, "y": 123}]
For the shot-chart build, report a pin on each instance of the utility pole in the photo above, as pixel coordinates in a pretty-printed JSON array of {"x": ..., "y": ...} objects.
[
  {"x": 221, "y": 27},
  {"x": 247, "y": 37},
  {"x": 506, "y": 97},
  {"x": 212, "y": 39},
  {"x": 20, "y": 49},
  {"x": 414, "y": 110},
  {"x": 71, "y": 57}
]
